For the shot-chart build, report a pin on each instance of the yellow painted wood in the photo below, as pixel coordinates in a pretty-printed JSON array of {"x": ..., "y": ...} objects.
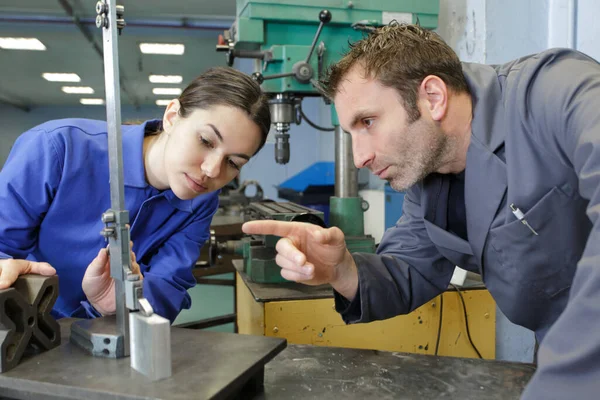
[
  {"x": 250, "y": 313},
  {"x": 481, "y": 313},
  {"x": 316, "y": 322}
]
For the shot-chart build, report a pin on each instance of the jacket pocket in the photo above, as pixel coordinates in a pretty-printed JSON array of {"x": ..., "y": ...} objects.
[{"x": 544, "y": 262}]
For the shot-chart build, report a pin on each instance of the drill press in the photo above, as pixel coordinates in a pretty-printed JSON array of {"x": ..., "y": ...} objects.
[{"x": 290, "y": 59}]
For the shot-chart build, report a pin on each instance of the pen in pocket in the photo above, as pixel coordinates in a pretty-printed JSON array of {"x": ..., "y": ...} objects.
[{"x": 521, "y": 217}]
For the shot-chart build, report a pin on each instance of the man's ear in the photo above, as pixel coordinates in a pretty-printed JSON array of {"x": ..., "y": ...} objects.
[
  {"x": 171, "y": 115},
  {"x": 433, "y": 95}
]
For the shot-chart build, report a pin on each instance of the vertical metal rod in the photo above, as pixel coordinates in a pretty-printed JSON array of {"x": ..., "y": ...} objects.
[
  {"x": 346, "y": 173},
  {"x": 119, "y": 243}
]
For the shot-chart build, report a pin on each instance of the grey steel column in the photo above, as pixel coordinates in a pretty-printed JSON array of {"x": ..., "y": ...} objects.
[
  {"x": 119, "y": 242},
  {"x": 346, "y": 174}
]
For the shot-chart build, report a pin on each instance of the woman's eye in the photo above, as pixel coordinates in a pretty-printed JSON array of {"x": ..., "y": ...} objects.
[
  {"x": 206, "y": 143},
  {"x": 233, "y": 164}
]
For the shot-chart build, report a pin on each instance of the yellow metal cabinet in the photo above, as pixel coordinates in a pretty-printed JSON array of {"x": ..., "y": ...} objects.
[{"x": 308, "y": 318}]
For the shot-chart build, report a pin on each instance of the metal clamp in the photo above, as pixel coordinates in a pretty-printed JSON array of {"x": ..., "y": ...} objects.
[{"x": 102, "y": 19}]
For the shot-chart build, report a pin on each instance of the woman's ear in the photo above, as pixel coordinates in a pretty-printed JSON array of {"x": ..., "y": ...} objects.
[{"x": 171, "y": 115}]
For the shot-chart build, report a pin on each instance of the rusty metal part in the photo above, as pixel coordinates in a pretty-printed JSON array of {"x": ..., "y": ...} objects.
[{"x": 25, "y": 320}]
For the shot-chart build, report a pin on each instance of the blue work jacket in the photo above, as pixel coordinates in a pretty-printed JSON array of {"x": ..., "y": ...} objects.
[
  {"x": 54, "y": 188},
  {"x": 535, "y": 144}
]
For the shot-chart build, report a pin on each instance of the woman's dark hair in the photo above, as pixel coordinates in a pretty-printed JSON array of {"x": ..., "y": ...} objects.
[{"x": 228, "y": 87}]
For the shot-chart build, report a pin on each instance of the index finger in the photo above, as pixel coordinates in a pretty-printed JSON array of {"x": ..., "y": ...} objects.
[{"x": 271, "y": 227}]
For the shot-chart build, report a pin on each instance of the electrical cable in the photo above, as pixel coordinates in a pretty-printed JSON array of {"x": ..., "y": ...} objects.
[
  {"x": 466, "y": 319},
  {"x": 439, "y": 333},
  {"x": 308, "y": 121}
]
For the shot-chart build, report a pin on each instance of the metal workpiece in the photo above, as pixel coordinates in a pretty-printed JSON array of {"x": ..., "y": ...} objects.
[
  {"x": 146, "y": 357},
  {"x": 15, "y": 331},
  {"x": 41, "y": 293},
  {"x": 99, "y": 337},
  {"x": 25, "y": 320},
  {"x": 346, "y": 173},
  {"x": 259, "y": 250}
]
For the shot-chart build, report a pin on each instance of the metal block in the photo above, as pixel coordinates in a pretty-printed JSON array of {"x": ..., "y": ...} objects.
[
  {"x": 25, "y": 320},
  {"x": 41, "y": 292},
  {"x": 16, "y": 318},
  {"x": 99, "y": 336},
  {"x": 149, "y": 355}
]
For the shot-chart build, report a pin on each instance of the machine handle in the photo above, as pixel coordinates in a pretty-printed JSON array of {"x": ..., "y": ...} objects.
[
  {"x": 324, "y": 17},
  {"x": 260, "y": 78}
]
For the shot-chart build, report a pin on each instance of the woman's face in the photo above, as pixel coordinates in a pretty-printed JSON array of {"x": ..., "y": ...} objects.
[{"x": 207, "y": 149}]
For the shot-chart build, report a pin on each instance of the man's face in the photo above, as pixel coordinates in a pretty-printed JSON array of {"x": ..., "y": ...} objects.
[{"x": 383, "y": 139}]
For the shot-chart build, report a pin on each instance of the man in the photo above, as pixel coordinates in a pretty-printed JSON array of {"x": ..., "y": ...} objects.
[{"x": 501, "y": 167}]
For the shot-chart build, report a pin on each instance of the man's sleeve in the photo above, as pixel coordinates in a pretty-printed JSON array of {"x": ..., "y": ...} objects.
[
  {"x": 168, "y": 275},
  {"x": 563, "y": 101},
  {"x": 28, "y": 183},
  {"x": 406, "y": 272}
]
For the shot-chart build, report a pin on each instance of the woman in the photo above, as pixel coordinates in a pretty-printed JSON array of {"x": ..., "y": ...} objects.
[{"x": 54, "y": 188}]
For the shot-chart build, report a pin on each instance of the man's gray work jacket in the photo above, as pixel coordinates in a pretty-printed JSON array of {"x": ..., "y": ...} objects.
[{"x": 535, "y": 143}]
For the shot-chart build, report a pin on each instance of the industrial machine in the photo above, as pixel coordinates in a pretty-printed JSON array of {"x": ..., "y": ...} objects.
[
  {"x": 259, "y": 251},
  {"x": 293, "y": 42}
]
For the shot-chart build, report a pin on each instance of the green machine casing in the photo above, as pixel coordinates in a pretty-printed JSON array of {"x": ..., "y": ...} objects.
[{"x": 293, "y": 42}]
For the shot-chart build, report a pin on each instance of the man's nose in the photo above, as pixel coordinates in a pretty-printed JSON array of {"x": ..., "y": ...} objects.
[{"x": 361, "y": 151}]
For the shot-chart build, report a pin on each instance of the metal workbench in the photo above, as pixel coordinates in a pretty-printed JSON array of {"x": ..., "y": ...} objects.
[
  {"x": 205, "y": 365},
  {"x": 311, "y": 372}
]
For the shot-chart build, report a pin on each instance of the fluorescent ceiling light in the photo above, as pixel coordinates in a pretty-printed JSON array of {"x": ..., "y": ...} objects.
[
  {"x": 92, "y": 102},
  {"x": 21, "y": 44},
  {"x": 78, "y": 89},
  {"x": 166, "y": 78},
  {"x": 163, "y": 102},
  {"x": 167, "y": 91},
  {"x": 162, "y": 48},
  {"x": 59, "y": 77}
]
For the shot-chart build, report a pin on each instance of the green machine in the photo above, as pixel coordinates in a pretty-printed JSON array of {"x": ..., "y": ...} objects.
[
  {"x": 293, "y": 42},
  {"x": 259, "y": 251}
]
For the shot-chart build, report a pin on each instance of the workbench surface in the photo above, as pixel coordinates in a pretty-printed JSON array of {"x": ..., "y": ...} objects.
[
  {"x": 206, "y": 362},
  {"x": 310, "y": 372}
]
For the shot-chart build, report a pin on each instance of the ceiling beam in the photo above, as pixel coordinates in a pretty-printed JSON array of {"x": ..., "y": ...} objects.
[
  {"x": 206, "y": 24},
  {"x": 12, "y": 103},
  {"x": 90, "y": 37}
]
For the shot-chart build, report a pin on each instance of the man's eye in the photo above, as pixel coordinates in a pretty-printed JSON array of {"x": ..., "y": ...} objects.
[{"x": 368, "y": 122}]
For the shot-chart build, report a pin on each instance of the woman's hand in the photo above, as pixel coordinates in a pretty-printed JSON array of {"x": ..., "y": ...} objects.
[
  {"x": 10, "y": 270},
  {"x": 97, "y": 284}
]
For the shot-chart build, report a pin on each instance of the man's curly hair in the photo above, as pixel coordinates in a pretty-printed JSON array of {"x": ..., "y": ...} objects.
[{"x": 400, "y": 56}]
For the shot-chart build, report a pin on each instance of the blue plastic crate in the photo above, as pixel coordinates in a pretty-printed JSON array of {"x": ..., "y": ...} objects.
[{"x": 393, "y": 206}]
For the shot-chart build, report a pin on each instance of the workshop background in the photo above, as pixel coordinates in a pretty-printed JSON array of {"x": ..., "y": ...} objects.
[{"x": 485, "y": 31}]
